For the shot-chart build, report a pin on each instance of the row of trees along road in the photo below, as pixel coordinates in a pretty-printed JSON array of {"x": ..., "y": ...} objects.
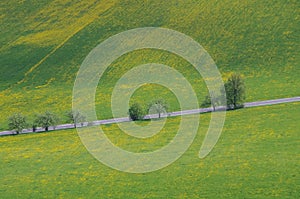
[
  {"x": 234, "y": 91},
  {"x": 138, "y": 112},
  {"x": 235, "y": 94},
  {"x": 18, "y": 122}
]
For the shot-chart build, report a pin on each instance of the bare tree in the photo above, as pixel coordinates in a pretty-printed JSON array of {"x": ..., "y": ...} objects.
[
  {"x": 158, "y": 106},
  {"x": 75, "y": 117},
  {"x": 211, "y": 100}
]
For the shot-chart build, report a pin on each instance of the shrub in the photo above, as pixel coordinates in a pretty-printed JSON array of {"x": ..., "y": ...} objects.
[{"x": 136, "y": 112}]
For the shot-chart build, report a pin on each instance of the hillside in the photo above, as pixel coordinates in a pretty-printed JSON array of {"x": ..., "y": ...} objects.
[{"x": 43, "y": 44}]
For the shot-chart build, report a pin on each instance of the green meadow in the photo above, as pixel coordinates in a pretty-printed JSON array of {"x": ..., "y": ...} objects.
[
  {"x": 255, "y": 157},
  {"x": 43, "y": 44}
]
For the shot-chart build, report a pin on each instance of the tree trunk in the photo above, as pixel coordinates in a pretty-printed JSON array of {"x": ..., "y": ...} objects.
[
  {"x": 46, "y": 128},
  {"x": 235, "y": 93},
  {"x": 234, "y": 99}
]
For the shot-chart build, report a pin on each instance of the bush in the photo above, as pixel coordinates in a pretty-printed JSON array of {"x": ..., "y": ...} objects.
[{"x": 136, "y": 112}]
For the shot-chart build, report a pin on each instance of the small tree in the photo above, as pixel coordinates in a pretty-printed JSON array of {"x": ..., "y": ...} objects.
[
  {"x": 75, "y": 117},
  {"x": 17, "y": 122},
  {"x": 235, "y": 91},
  {"x": 136, "y": 112},
  {"x": 210, "y": 101},
  {"x": 159, "y": 106},
  {"x": 46, "y": 120}
]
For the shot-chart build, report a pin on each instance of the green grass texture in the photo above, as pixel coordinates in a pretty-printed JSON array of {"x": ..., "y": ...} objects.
[
  {"x": 255, "y": 157},
  {"x": 43, "y": 44}
]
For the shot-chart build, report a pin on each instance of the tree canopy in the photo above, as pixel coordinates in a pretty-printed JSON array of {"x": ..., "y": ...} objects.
[
  {"x": 17, "y": 122},
  {"x": 235, "y": 91},
  {"x": 46, "y": 120}
]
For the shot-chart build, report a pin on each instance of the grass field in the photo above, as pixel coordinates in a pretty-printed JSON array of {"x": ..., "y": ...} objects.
[
  {"x": 43, "y": 44},
  {"x": 257, "y": 156}
]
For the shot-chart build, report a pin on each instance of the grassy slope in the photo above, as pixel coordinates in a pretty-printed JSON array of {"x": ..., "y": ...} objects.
[
  {"x": 256, "y": 157},
  {"x": 44, "y": 42}
]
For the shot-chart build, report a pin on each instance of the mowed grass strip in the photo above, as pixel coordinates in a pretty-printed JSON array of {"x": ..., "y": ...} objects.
[{"x": 256, "y": 157}]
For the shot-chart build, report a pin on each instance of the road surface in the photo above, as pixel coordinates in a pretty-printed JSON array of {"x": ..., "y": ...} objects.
[{"x": 172, "y": 114}]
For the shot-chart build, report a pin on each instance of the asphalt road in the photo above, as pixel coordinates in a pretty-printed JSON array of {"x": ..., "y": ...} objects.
[{"x": 172, "y": 114}]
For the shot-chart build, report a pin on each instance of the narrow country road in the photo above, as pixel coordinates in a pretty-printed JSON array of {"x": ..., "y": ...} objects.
[{"x": 172, "y": 114}]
